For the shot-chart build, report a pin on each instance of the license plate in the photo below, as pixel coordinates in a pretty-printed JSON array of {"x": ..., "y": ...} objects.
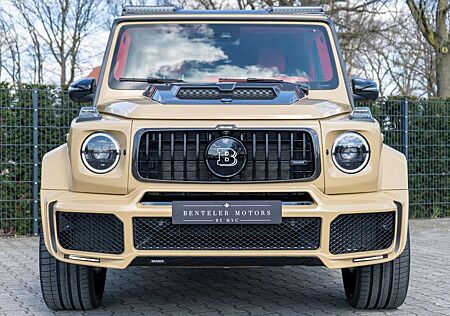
[{"x": 226, "y": 212}]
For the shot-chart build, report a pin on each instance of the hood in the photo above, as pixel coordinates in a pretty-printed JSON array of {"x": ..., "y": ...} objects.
[
  {"x": 144, "y": 108},
  {"x": 228, "y": 99}
]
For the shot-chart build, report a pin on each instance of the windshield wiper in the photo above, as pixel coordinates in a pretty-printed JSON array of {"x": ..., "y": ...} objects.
[
  {"x": 303, "y": 87},
  {"x": 268, "y": 80},
  {"x": 263, "y": 80},
  {"x": 151, "y": 80}
]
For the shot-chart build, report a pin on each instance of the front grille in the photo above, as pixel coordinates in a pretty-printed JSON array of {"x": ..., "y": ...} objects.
[
  {"x": 90, "y": 232},
  {"x": 361, "y": 232},
  {"x": 179, "y": 155},
  {"x": 217, "y": 94},
  {"x": 297, "y": 233}
]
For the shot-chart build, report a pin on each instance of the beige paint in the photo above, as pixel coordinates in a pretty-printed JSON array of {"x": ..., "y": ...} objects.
[
  {"x": 119, "y": 193},
  {"x": 126, "y": 207},
  {"x": 144, "y": 108},
  {"x": 75, "y": 189},
  {"x": 337, "y": 181},
  {"x": 83, "y": 180}
]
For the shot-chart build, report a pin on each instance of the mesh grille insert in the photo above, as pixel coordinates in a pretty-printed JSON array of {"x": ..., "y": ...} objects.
[
  {"x": 362, "y": 232},
  {"x": 217, "y": 94},
  {"x": 101, "y": 233},
  {"x": 297, "y": 233}
]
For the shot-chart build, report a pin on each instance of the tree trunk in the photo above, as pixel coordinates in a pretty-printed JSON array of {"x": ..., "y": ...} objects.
[
  {"x": 63, "y": 72},
  {"x": 443, "y": 73}
]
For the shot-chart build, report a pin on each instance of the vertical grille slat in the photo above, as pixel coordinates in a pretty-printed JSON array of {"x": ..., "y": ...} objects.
[
  {"x": 291, "y": 149},
  {"x": 159, "y": 156},
  {"x": 241, "y": 137},
  {"x": 147, "y": 141},
  {"x": 254, "y": 156},
  {"x": 304, "y": 148},
  {"x": 197, "y": 156},
  {"x": 172, "y": 156},
  {"x": 279, "y": 155},
  {"x": 179, "y": 155},
  {"x": 184, "y": 157},
  {"x": 147, "y": 144},
  {"x": 266, "y": 157}
]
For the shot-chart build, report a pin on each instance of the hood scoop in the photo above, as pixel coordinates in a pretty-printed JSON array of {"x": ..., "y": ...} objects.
[
  {"x": 225, "y": 92},
  {"x": 185, "y": 93}
]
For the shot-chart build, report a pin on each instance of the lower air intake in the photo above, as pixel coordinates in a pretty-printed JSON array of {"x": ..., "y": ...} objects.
[
  {"x": 297, "y": 233},
  {"x": 88, "y": 232},
  {"x": 361, "y": 232}
]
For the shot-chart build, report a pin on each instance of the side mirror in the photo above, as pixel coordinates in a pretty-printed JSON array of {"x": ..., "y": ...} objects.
[
  {"x": 83, "y": 90},
  {"x": 364, "y": 89}
]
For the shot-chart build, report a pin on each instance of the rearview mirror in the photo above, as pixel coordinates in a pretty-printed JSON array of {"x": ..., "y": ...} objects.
[
  {"x": 83, "y": 90},
  {"x": 364, "y": 89}
]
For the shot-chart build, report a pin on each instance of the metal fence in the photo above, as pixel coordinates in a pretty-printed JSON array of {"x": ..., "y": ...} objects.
[
  {"x": 34, "y": 121},
  {"x": 420, "y": 129}
]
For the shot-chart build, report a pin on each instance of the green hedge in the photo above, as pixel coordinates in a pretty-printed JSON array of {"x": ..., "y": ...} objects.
[
  {"x": 55, "y": 113},
  {"x": 429, "y": 149}
]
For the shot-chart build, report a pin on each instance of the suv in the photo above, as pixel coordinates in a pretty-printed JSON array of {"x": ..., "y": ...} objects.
[{"x": 224, "y": 138}]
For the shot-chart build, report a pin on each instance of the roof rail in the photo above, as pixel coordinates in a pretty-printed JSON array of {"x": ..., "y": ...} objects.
[
  {"x": 149, "y": 10},
  {"x": 143, "y": 10},
  {"x": 296, "y": 10}
]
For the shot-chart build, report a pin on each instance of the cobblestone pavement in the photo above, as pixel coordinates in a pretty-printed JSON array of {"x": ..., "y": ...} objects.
[{"x": 249, "y": 291}]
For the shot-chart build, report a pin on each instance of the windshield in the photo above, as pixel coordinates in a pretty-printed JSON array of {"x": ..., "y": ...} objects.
[{"x": 207, "y": 52}]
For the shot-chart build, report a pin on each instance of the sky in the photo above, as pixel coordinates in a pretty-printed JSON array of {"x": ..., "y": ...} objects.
[{"x": 91, "y": 52}]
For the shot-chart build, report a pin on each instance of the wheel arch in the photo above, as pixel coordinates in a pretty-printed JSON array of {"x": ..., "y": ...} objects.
[
  {"x": 55, "y": 171},
  {"x": 393, "y": 170}
]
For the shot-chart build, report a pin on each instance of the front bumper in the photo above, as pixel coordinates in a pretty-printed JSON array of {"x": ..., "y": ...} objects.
[{"x": 127, "y": 207}]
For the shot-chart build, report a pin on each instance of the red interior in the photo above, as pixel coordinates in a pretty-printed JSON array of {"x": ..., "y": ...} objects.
[
  {"x": 324, "y": 57},
  {"x": 122, "y": 54},
  {"x": 272, "y": 57}
]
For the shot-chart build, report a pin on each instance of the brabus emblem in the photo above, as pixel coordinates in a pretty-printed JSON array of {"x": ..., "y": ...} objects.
[{"x": 226, "y": 157}]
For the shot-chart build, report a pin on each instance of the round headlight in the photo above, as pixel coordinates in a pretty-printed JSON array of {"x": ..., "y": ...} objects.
[
  {"x": 100, "y": 152},
  {"x": 350, "y": 152}
]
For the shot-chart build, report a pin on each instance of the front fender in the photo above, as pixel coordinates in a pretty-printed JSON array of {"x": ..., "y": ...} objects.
[
  {"x": 55, "y": 171},
  {"x": 393, "y": 170}
]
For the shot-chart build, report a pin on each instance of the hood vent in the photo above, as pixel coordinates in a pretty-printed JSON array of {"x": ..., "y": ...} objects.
[{"x": 219, "y": 93}]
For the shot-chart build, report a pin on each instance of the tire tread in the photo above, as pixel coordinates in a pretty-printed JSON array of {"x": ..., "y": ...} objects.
[
  {"x": 68, "y": 286},
  {"x": 380, "y": 286}
]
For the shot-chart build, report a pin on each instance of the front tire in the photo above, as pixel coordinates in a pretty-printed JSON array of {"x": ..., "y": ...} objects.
[
  {"x": 68, "y": 286},
  {"x": 379, "y": 286}
]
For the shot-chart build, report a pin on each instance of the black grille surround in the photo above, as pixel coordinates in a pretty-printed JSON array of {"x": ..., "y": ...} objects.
[
  {"x": 351, "y": 233},
  {"x": 90, "y": 232},
  {"x": 158, "y": 233},
  {"x": 200, "y": 93},
  {"x": 178, "y": 155}
]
